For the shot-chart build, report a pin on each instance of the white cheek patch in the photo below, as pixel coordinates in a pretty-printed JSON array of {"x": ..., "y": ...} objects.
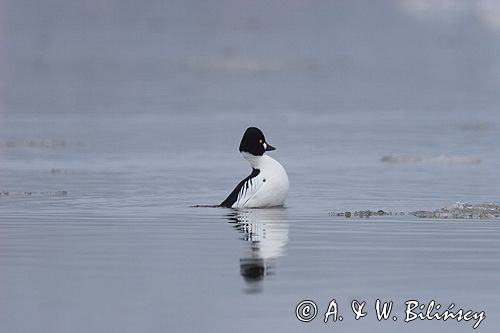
[{"x": 265, "y": 145}]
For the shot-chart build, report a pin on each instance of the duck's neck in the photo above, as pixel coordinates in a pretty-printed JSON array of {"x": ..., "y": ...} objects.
[{"x": 254, "y": 160}]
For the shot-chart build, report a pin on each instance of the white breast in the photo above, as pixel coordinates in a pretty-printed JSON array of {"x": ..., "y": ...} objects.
[{"x": 270, "y": 187}]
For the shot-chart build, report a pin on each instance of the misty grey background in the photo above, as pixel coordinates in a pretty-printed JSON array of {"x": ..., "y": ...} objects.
[{"x": 136, "y": 109}]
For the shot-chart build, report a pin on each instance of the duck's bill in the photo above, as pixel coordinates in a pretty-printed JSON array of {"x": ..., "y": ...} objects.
[{"x": 269, "y": 147}]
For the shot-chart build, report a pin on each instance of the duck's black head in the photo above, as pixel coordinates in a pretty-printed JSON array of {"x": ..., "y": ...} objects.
[{"x": 254, "y": 142}]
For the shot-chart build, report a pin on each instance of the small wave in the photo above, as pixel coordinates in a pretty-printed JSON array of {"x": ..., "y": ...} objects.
[
  {"x": 444, "y": 159},
  {"x": 37, "y": 143},
  {"x": 7, "y": 194},
  {"x": 455, "y": 160},
  {"x": 233, "y": 64},
  {"x": 475, "y": 127}
]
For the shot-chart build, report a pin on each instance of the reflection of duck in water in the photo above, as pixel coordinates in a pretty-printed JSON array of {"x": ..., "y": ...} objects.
[{"x": 266, "y": 231}]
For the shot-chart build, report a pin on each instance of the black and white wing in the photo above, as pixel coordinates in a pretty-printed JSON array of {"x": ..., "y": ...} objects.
[{"x": 244, "y": 191}]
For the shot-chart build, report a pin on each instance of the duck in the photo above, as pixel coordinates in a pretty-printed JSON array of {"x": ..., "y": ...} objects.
[{"x": 268, "y": 184}]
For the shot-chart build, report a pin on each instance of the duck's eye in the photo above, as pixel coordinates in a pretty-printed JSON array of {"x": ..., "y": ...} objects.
[{"x": 261, "y": 141}]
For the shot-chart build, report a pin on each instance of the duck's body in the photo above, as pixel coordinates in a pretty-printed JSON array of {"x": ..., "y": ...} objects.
[{"x": 267, "y": 185}]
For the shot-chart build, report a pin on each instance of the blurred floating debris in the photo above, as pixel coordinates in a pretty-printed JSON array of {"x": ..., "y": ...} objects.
[
  {"x": 7, "y": 194},
  {"x": 444, "y": 159},
  {"x": 455, "y": 210},
  {"x": 460, "y": 210},
  {"x": 57, "y": 171},
  {"x": 38, "y": 143},
  {"x": 401, "y": 159},
  {"x": 364, "y": 213},
  {"x": 424, "y": 214},
  {"x": 204, "y": 206}
]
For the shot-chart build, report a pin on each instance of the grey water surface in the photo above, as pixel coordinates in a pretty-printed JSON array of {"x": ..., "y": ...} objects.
[{"x": 116, "y": 118}]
